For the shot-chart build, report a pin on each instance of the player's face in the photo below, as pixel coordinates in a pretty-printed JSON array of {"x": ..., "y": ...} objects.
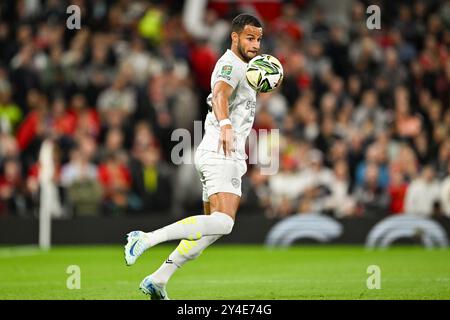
[{"x": 249, "y": 41}]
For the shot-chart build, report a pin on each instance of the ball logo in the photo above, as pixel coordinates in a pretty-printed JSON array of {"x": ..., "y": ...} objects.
[{"x": 235, "y": 182}]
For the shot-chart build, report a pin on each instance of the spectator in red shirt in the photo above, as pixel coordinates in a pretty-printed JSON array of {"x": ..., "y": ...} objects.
[
  {"x": 86, "y": 119},
  {"x": 63, "y": 122},
  {"x": 203, "y": 60},
  {"x": 116, "y": 181},
  {"x": 397, "y": 192},
  {"x": 34, "y": 124},
  {"x": 287, "y": 24},
  {"x": 11, "y": 188}
]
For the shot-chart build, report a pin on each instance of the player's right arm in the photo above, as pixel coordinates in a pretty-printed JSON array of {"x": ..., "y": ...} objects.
[{"x": 221, "y": 93}]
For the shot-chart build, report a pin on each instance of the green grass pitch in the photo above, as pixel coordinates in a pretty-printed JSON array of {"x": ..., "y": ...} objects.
[{"x": 229, "y": 272}]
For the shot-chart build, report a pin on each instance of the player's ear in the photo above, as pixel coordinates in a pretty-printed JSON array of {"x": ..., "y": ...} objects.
[{"x": 234, "y": 36}]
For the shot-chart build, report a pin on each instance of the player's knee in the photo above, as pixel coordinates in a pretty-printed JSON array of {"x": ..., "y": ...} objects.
[
  {"x": 225, "y": 221},
  {"x": 229, "y": 227}
]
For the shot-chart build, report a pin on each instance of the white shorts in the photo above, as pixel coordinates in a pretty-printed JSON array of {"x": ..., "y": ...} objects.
[{"x": 219, "y": 173}]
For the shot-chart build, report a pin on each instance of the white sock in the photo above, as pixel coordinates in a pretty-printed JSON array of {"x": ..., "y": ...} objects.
[
  {"x": 186, "y": 251},
  {"x": 193, "y": 228}
]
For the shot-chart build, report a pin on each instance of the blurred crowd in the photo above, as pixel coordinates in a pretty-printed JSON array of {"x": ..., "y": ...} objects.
[{"x": 364, "y": 115}]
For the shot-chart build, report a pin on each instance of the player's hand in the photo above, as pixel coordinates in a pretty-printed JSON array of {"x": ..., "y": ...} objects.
[{"x": 226, "y": 140}]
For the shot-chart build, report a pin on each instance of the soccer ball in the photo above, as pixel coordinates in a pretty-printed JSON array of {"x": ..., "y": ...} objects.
[{"x": 264, "y": 73}]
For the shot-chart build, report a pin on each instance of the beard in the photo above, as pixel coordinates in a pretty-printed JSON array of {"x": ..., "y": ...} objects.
[{"x": 242, "y": 52}]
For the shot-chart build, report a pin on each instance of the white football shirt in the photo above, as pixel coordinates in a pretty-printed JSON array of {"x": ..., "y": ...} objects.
[{"x": 241, "y": 105}]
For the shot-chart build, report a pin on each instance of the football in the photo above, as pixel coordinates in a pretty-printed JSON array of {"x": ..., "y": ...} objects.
[{"x": 264, "y": 73}]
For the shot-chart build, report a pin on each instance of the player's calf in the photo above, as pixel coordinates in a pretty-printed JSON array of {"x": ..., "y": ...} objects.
[
  {"x": 190, "y": 228},
  {"x": 193, "y": 228}
]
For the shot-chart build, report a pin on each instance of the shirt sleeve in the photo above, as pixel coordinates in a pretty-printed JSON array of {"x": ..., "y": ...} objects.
[{"x": 227, "y": 72}]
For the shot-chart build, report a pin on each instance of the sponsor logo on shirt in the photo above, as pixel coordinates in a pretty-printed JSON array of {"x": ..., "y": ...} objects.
[
  {"x": 251, "y": 105},
  {"x": 226, "y": 70}
]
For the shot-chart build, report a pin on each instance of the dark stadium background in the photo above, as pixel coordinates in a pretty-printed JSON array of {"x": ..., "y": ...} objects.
[{"x": 363, "y": 114}]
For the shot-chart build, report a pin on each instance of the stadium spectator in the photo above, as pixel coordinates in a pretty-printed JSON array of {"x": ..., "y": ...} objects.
[
  {"x": 151, "y": 181},
  {"x": 140, "y": 61},
  {"x": 275, "y": 104},
  {"x": 397, "y": 192},
  {"x": 62, "y": 123},
  {"x": 205, "y": 23},
  {"x": 135, "y": 72},
  {"x": 443, "y": 157},
  {"x": 370, "y": 113},
  {"x": 78, "y": 168},
  {"x": 372, "y": 199},
  {"x": 392, "y": 70},
  {"x": 317, "y": 61},
  {"x": 79, "y": 178},
  {"x": 88, "y": 148},
  {"x": 340, "y": 202},
  {"x": 256, "y": 193},
  {"x": 316, "y": 180},
  {"x": 98, "y": 73},
  {"x": 423, "y": 193},
  {"x": 327, "y": 135},
  {"x": 144, "y": 138},
  {"x": 344, "y": 124},
  {"x": 8, "y": 147},
  {"x": 114, "y": 143},
  {"x": 445, "y": 194},
  {"x": 405, "y": 161},
  {"x": 117, "y": 103},
  {"x": 34, "y": 126},
  {"x": 407, "y": 123},
  {"x": 12, "y": 200},
  {"x": 86, "y": 119},
  {"x": 10, "y": 113},
  {"x": 285, "y": 187},
  {"x": 376, "y": 155},
  {"x": 115, "y": 179},
  {"x": 339, "y": 151}
]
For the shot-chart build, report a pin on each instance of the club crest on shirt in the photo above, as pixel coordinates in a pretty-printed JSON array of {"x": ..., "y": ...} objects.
[{"x": 235, "y": 182}]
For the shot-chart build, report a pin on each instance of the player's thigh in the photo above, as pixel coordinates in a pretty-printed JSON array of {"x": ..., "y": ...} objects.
[
  {"x": 224, "y": 202},
  {"x": 201, "y": 161},
  {"x": 206, "y": 208},
  {"x": 221, "y": 178}
]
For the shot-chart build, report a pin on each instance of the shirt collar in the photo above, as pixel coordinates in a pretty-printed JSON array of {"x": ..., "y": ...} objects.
[{"x": 235, "y": 55}]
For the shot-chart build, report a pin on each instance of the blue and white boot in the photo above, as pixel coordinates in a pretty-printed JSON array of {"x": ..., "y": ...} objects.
[
  {"x": 136, "y": 245},
  {"x": 150, "y": 288}
]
